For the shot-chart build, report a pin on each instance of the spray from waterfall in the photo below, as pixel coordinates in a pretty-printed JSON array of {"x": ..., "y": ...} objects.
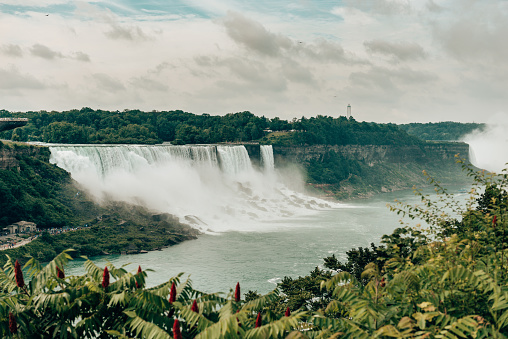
[
  {"x": 213, "y": 187},
  {"x": 489, "y": 148}
]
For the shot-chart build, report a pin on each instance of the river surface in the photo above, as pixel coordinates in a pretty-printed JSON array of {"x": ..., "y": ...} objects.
[{"x": 260, "y": 259}]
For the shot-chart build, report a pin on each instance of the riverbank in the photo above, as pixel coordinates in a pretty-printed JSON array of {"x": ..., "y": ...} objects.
[{"x": 126, "y": 230}]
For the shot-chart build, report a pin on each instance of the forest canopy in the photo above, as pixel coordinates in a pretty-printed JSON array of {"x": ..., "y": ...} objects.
[{"x": 137, "y": 127}]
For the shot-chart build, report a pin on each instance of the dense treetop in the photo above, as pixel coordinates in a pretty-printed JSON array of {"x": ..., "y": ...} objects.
[
  {"x": 134, "y": 126},
  {"x": 445, "y": 131}
]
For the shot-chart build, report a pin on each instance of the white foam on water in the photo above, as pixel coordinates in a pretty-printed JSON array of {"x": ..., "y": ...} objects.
[{"x": 214, "y": 188}]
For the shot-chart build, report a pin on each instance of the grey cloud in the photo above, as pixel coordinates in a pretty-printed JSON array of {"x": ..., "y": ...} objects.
[
  {"x": 390, "y": 79},
  {"x": 12, "y": 50},
  {"x": 326, "y": 51},
  {"x": 149, "y": 84},
  {"x": 13, "y": 79},
  {"x": 254, "y": 36},
  {"x": 247, "y": 73},
  {"x": 433, "y": 7},
  {"x": 80, "y": 56},
  {"x": 471, "y": 39},
  {"x": 107, "y": 83},
  {"x": 384, "y": 7},
  {"x": 295, "y": 72},
  {"x": 402, "y": 51},
  {"x": 45, "y": 52},
  {"x": 126, "y": 33}
]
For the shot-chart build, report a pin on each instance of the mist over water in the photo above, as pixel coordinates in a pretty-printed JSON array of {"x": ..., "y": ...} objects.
[
  {"x": 489, "y": 148},
  {"x": 213, "y": 188}
]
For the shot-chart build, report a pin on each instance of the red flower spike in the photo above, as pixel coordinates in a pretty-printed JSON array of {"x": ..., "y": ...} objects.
[
  {"x": 194, "y": 307},
  {"x": 382, "y": 284},
  {"x": 176, "y": 330},
  {"x": 288, "y": 312},
  {"x": 494, "y": 221},
  {"x": 237, "y": 292},
  {"x": 18, "y": 275},
  {"x": 13, "y": 327},
  {"x": 172, "y": 294},
  {"x": 105, "y": 278},
  {"x": 258, "y": 320},
  {"x": 237, "y": 320},
  {"x": 139, "y": 272},
  {"x": 59, "y": 273}
]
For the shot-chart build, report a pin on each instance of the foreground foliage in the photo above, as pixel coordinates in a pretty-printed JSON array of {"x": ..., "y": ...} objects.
[{"x": 447, "y": 281}]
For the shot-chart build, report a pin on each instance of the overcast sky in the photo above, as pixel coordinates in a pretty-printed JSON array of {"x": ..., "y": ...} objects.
[{"x": 392, "y": 60}]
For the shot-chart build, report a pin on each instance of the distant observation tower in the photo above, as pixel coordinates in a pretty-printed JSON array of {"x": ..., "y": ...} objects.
[{"x": 348, "y": 113}]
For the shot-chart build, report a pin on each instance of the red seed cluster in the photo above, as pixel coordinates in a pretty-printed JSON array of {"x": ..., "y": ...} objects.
[
  {"x": 194, "y": 307},
  {"x": 105, "y": 278},
  {"x": 237, "y": 292},
  {"x": 18, "y": 275},
  {"x": 258, "y": 320},
  {"x": 139, "y": 272},
  {"x": 13, "y": 327},
  {"x": 172, "y": 294},
  {"x": 59, "y": 273},
  {"x": 288, "y": 312},
  {"x": 176, "y": 330}
]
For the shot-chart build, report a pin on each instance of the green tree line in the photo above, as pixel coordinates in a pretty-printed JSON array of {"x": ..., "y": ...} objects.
[
  {"x": 134, "y": 126},
  {"x": 442, "y": 131}
]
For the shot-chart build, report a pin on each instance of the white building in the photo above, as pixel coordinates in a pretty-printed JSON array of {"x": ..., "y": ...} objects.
[{"x": 22, "y": 227}]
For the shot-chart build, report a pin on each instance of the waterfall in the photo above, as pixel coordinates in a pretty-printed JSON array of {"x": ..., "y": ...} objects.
[
  {"x": 267, "y": 157},
  {"x": 234, "y": 159},
  {"x": 212, "y": 187}
]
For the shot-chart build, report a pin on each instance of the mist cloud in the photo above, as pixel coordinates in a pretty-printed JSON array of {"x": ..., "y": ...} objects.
[
  {"x": 489, "y": 148},
  {"x": 401, "y": 51}
]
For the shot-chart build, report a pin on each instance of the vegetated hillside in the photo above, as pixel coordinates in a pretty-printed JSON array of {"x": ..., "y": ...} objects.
[
  {"x": 32, "y": 189},
  {"x": 445, "y": 281},
  {"x": 134, "y": 126},
  {"x": 447, "y": 130}
]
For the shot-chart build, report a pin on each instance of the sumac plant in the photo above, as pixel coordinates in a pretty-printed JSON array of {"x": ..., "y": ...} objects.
[{"x": 448, "y": 279}]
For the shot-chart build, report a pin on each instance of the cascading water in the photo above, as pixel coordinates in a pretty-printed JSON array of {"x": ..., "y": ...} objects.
[
  {"x": 214, "y": 187},
  {"x": 267, "y": 157}
]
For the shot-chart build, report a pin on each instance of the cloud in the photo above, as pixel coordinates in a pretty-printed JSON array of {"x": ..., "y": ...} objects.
[
  {"x": 477, "y": 33},
  {"x": 13, "y": 79},
  {"x": 148, "y": 84},
  {"x": 107, "y": 83},
  {"x": 295, "y": 72},
  {"x": 80, "y": 56},
  {"x": 12, "y": 50},
  {"x": 33, "y": 3},
  {"x": 254, "y": 36},
  {"x": 383, "y": 7},
  {"x": 118, "y": 32},
  {"x": 45, "y": 52},
  {"x": 433, "y": 7},
  {"x": 401, "y": 51}
]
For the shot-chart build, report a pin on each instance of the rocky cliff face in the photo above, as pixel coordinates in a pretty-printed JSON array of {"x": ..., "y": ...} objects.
[
  {"x": 373, "y": 154},
  {"x": 375, "y": 168},
  {"x": 10, "y": 151}
]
